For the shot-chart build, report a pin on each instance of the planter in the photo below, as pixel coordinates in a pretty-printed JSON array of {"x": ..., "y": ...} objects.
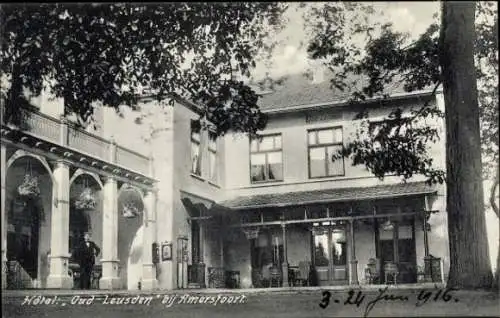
[
  {"x": 130, "y": 211},
  {"x": 86, "y": 201},
  {"x": 29, "y": 187}
]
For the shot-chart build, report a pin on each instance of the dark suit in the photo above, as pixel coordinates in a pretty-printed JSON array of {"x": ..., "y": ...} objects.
[{"x": 86, "y": 255}]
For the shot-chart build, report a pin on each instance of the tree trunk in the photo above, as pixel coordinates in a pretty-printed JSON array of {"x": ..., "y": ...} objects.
[
  {"x": 470, "y": 265},
  {"x": 496, "y": 283},
  {"x": 494, "y": 206}
]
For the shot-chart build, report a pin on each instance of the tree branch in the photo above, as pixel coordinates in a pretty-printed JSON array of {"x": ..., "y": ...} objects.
[
  {"x": 426, "y": 104},
  {"x": 493, "y": 189}
]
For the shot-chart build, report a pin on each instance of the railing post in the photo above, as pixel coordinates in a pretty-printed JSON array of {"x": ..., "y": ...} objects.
[
  {"x": 63, "y": 133},
  {"x": 200, "y": 266},
  {"x": 427, "y": 257},
  {"x": 112, "y": 150},
  {"x": 353, "y": 262},
  {"x": 284, "y": 267}
]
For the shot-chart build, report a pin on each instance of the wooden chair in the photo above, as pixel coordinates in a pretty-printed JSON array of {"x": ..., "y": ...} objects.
[
  {"x": 303, "y": 273},
  {"x": 420, "y": 274},
  {"x": 265, "y": 276},
  {"x": 391, "y": 270},
  {"x": 370, "y": 275},
  {"x": 275, "y": 273},
  {"x": 372, "y": 271},
  {"x": 96, "y": 276}
]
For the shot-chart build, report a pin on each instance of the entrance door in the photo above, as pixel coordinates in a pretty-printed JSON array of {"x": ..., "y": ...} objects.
[
  {"x": 22, "y": 240},
  {"x": 397, "y": 245},
  {"x": 330, "y": 254}
]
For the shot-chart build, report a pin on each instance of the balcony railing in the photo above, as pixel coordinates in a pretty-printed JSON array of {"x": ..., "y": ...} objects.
[{"x": 69, "y": 135}]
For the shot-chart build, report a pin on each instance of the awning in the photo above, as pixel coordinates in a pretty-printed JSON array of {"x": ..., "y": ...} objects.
[
  {"x": 195, "y": 204},
  {"x": 329, "y": 195}
]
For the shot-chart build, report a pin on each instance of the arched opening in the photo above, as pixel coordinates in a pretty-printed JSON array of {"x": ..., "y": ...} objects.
[
  {"x": 85, "y": 216},
  {"x": 130, "y": 220},
  {"x": 28, "y": 204}
]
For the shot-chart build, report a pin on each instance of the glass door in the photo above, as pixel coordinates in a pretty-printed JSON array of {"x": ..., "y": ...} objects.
[
  {"x": 339, "y": 254},
  {"x": 330, "y": 254},
  {"x": 397, "y": 245},
  {"x": 321, "y": 255}
]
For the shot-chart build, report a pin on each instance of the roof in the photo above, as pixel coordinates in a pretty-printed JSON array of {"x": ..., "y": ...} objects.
[
  {"x": 329, "y": 195},
  {"x": 298, "y": 90}
]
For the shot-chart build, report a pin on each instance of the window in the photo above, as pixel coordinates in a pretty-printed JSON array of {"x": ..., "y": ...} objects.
[
  {"x": 387, "y": 126},
  {"x": 212, "y": 156},
  {"x": 324, "y": 144},
  {"x": 266, "y": 159},
  {"x": 195, "y": 149}
]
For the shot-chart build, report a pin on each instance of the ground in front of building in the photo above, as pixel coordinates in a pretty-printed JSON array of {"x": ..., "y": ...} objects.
[{"x": 222, "y": 303}]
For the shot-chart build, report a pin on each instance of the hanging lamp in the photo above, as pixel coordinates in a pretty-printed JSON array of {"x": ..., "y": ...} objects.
[
  {"x": 130, "y": 207},
  {"x": 29, "y": 187},
  {"x": 388, "y": 225},
  {"x": 130, "y": 210},
  {"x": 86, "y": 200}
]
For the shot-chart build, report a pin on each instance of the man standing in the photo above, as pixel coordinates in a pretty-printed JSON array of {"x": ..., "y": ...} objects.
[{"x": 86, "y": 255}]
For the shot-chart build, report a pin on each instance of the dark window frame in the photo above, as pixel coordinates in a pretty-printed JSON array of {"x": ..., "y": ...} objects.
[
  {"x": 213, "y": 176},
  {"x": 273, "y": 150},
  {"x": 325, "y": 146},
  {"x": 195, "y": 130}
]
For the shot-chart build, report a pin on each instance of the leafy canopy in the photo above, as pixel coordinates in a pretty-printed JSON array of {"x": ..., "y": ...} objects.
[
  {"x": 114, "y": 53},
  {"x": 397, "y": 145}
]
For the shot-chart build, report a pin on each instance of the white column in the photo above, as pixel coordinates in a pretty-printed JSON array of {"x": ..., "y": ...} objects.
[
  {"x": 285, "y": 255},
  {"x": 109, "y": 261},
  {"x": 59, "y": 234},
  {"x": 4, "y": 225},
  {"x": 353, "y": 269},
  {"x": 149, "y": 281}
]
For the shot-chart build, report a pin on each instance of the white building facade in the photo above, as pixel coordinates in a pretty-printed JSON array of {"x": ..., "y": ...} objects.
[{"x": 180, "y": 208}]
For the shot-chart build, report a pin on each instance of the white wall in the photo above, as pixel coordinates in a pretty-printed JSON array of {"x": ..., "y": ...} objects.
[
  {"x": 295, "y": 153},
  {"x": 134, "y": 261}
]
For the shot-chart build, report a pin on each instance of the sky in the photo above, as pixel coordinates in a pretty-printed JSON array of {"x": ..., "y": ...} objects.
[{"x": 290, "y": 58}]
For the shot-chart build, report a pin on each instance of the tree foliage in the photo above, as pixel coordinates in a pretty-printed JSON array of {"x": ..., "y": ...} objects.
[
  {"x": 398, "y": 145},
  {"x": 111, "y": 54},
  {"x": 390, "y": 57}
]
